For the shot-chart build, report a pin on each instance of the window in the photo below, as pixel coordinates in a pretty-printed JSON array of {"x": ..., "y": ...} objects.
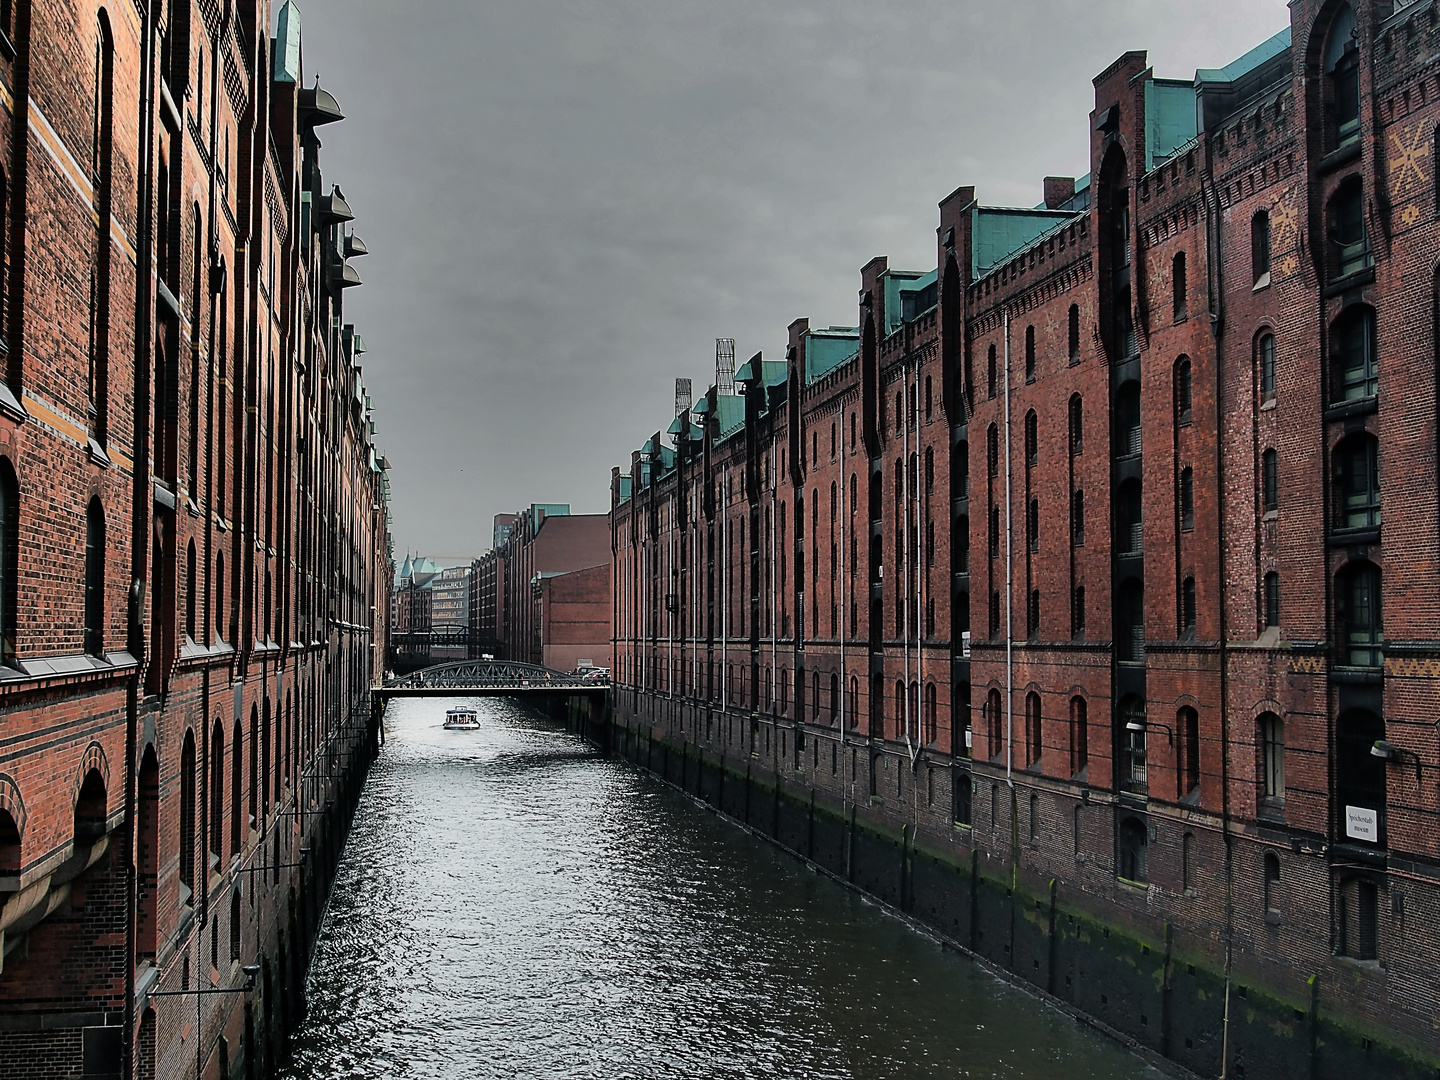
[
  {"x": 1342, "y": 78},
  {"x": 1184, "y": 391},
  {"x": 1269, "y": 481},
  {"x": 1357, "y": 480},
  {"x": 1187, "y": 726},
  {"x": 1130, "y": 622},
  {"x": 1129, "y": 519},
  {"x": 1187, "y": 499},
  {"x": 1133, "y": 837},
  {"x": 1352, "y": 340},
  {"x": 191, "y": 583},
  {"x": 1077, "y": 518},
  {"x": 1032, "y": 630},
  {"x": 1077, "y": 613},
  {"x": 932, "y": 715},
  {"x": 992, "y": 450},
  {"x": 1187, "y": 862},
  {"x": 929, "y": 470},
  {"x": 219, "y": 615},
  {"x": 962, "y": 544},
  {"x": 1272, "y": 749},
  {"x": 994, "y": 532},
  {"x": 1033, "y": 746},
  {"x": 9, "y": 559},
  {"x": 991, "y": 384},
  {"x": 1077, "y": 425},
  {"x": 1260, "y": 249},
  {"x": 1032, "y": 439},
  {"x": 95, "y": 579},
  {"x": 852, "y": 434},
  {"x": 1179, "y": 288},
  {"x": 217, "y": 793},
  {"x": 1029, "y": 354},
  {"x": 1272, "y": 881},
  {"x": 995, "y": 614},
  {"x": 960, "y": 471},
  {"x": 1032, "y": 529},
  {"x": 1187, "y": 609},
  {"x": 1272, "y": 599},
  {"x": 1350, "y": 250},
  {"x": 1127, "y": 420},
  {"x": 994, "y": 715},
  {"x": 1359, "y": 775},
  {"x": 1079, "y": 735},
  {"x": 1265, "y": 351},
  {"x": 929, "y": 401},
  {"x": 963, "y": 788},
  {"x": 103, "y": 171},
  {"x": 1357, "y": 605},
  {"x": 1074, "y": 334},
  {"x": 1359, "y": 919},
  {"x": 187, "y": 819}
]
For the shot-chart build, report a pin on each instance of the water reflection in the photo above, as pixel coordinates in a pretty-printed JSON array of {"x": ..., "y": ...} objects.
[{"x": 510, "y": 905}]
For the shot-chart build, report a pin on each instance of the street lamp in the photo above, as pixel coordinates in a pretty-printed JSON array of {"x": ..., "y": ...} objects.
[
  {"x": 1388, "y": 751},
  {"x": 1136, "y": 725},
  {"x": 250, "y": 971}
]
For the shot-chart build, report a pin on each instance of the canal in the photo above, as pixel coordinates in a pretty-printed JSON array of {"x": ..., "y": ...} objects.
[{"x": 511, "y": 904}]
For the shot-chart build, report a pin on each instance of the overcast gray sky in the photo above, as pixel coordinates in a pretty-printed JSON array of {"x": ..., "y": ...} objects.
[{"x": 567, "y": 201}]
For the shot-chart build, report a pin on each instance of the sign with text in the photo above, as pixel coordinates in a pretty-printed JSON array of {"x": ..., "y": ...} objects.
[{"x": 1362, "y": 823}]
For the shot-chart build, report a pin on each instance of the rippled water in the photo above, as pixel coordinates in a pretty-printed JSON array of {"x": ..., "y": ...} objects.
[{"x": 512, "y": 905}]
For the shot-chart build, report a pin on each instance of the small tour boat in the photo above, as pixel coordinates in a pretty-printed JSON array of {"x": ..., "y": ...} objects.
[{"x": 461, "y": 719}]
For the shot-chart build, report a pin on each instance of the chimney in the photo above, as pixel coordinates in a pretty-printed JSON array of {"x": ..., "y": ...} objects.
[{"x": 1058, "y": 190}]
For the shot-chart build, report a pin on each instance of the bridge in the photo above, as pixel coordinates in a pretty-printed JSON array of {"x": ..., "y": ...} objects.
[
  {"x": 424, "y": 646},
  {"x": 490, "y": 678}
]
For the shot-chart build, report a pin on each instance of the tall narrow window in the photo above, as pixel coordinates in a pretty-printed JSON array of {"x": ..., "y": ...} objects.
[
  {"x": 1184, "y": 391},
  {"x": 992, "y": 375},
  {"x": 1357, "y": 604},
  {"x": 1187, "y": 499},
  {"x": 1272, "y": 599},
  {"x": 1187, "y": 608},
  {"x": 1342, "y": 77},
  {"x": 1133, "y": 844},
  {"x": 1074, "y": 334},
  {"x": 1029, "y": 354},
  {"x": 217, "y": 793},
  {"x": 1187, "y": 727},
  {"x": 102, "y": 170},
  {"x": 1272, "y": 881},
  {"x": 1265, "y": 351},
  {"x": 191, "y": 585},
  {"x": 1357, "y": 480},
  {"x": 1032, "y": 439},
  {"x": 929, "y": 470},
  {"x": 1033, "y": 526},
  {"x": 995, "y": 717},
  {"x": 1129, "y": 523},
  {"x": 1130, "y": 622},
  {"x": 929, "y": 400},
  {"x": 1033, "y": 744},
  {"x": 1077, "y": 518},
  {"x": 1272, "y": 750},
  {"x": 1179, "y": 287},
  {"x": 1077, "y": 613},
  {"x": 1127, "y": 420},
  {"x": 1269, "y": 480},
  {"x": 1033, "y": 630},
  {"x": 1077, "y": 425},
  {"x": 95, "y": 579},
  {"x": 218, "y": 615},
  {"x": 187, "y": 819},
  {"x": 1350, "y": 246},
  {"x": 1079, "y": 735},
  {"x": 1356, "y": 370},
  {"x": 960, "y": 471},
  {"x": 994, "y": 532},
  {"x": 1260, "y": 249},
  {"x": 992, "y": 450}
]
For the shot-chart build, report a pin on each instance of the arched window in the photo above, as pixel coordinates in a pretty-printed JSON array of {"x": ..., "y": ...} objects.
[
  {"x": 992, "y": 375},
  {"x": 1133, "y": 843},
  {"x": 1032, "y": 439},
  {"x": 1187, "y": 499},
  {"x": 1077, "y": 518},
  {"x": 219, "y": 614},
  {"x": 237, "y": 785},
  {"x": 1354, "y": 364},
  {"x": 1350, "y": 248},
  {"x": 995, "y": 722},
  {"x": 832, "y": 442},
  {"x": 1179, "y": 287},
  {"x": 1187, "y": 730},
  {"x": 1127, "y": 420},
  {"x": 91, "y": 809},
  {"x": 992, "y": 450},
  {"x": 1187, "y": 609},
  {"x": 187, "y": 819},
  {"x": 1129, "y": 519},
  {"x": 834, "y": 698},
  {"x": 963, "y": 788},
  {"x": 1074, "y": 321},
  {"x": 1342, "y": 78},
  {"x": 1130, "y": 621},
  {"x": 1033, "y": 735},
  {"x": 1357, "y": 482},
  {"x": 1077, "y": 425},
  {"x": 235, "y": 924},
  {"x": 1272, "y": 881},
  {"x": 900, "y": 725},
  {"x": 1269, "y": 480},
  {"x": 1079, "y": 735},
  {"x": 1272, "y": 599},
  {"x": 1265, "y": 358},
  {"x": 103, "y": 171},
  {"x": 191, "y": 585},
  {"x": 1260, "y": 249},
  {"x": 1357, "y": 607},
  {"x": 95, "y": 579},
  {"x": 217, "y": 792},
  {"x": 932, "y": 715},
  {"x": 1029, "y": 354},
  {"x": 1184, "y": 391},
  {"x": 1272, "y": 757}
]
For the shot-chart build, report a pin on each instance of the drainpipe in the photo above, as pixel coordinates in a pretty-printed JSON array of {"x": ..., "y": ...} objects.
[
  {"x": 902, "y": 577},
  {"x": 724, "y": 593},
  {"x": 919, "y": 586},
  {"x": 772, "y": 529},
  {"x": 1009, "y": 585}
]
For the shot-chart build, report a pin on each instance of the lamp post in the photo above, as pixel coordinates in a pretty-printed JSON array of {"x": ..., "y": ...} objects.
[
  {"x": 1388, "y": 751},
  {"x": 250, "y": 971}
]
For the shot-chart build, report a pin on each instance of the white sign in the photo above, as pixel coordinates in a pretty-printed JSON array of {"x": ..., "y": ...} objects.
[
  {"x": 965, "y": 643},
  {"x": 1362, "y": 823}
]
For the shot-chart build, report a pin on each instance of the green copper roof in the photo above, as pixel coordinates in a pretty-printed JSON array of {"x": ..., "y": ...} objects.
[
  {"x": 901, "y": 283},
  {"x": 730, "y": 412},
  {"x": 1238, "y": 69},
  {"x": 828, "y": 349},
  {"x": 999, "y": 232},
  {"x": 287, "y": 44},
  {"x": 1170, "y": 120}
]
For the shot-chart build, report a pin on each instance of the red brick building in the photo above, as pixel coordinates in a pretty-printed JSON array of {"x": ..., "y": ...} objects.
[
  {"x": 1066, "y": 563},
  {"x": 194, "y": 565}
]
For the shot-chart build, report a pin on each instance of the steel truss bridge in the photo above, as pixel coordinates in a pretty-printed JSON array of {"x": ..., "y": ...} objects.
[{"x": 489, "y": 678}]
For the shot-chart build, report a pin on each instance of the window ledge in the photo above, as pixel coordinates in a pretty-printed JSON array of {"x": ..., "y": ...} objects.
[
  {"x": 1350, "y": 281},
  {"x": 1343, "y": 410},
  {"x": 1267, "y": 404},
  {"x": 1351, "y": 537},
  {"x": 10, "y": 405},
  {"x": 1262, "y": 282},
  {"x": 1341, "y": 156},
  {"x": 1270, "y": 515}
]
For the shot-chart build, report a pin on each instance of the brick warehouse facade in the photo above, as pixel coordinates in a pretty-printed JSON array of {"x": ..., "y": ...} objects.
[
  {"x": 194, "y": 556},
  {"x": 1063, "y": 572}
]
